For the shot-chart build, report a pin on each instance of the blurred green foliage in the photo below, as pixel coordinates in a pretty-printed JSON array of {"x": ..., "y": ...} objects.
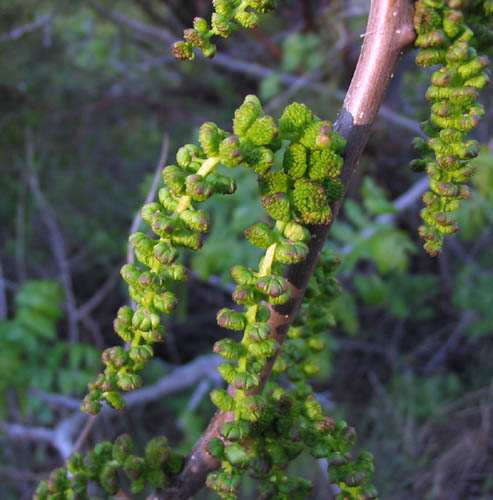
[{"x": 33, "y": 357}]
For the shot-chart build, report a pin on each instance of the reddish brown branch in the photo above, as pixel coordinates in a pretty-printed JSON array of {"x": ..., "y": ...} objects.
[{"x": 389, "y": 32}]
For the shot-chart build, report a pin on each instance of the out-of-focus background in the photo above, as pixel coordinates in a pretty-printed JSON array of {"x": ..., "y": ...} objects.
[{"x": 90, "y": 100}]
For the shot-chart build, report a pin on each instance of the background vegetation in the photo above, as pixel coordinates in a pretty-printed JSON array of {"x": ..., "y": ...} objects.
[{"x": 90, "y": 98}]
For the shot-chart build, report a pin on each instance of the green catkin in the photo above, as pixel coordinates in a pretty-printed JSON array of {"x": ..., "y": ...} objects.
[
  {"x": 452, "y": 35},
  {"x": 228, "y": 15},
  {"x": 106, "y": 464}
]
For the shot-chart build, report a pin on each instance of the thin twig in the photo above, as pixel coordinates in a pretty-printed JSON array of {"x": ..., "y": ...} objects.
[
  {"x": 454, "y": 337},
  {"x": 16, "y": 33},
  {"x": 99, "y": 296},
  {"x": 3, "y": 295},
  {"x": 82, "y": 438},
  {"x": 179, "y": 379},
  {"x": 56, "y": 241},
  {"x": 404, "y": 201}
]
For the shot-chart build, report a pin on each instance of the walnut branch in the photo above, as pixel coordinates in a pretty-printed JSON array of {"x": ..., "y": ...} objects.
[{"x": 389, "y": 32}]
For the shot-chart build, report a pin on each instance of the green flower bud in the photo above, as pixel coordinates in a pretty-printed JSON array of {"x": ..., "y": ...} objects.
[
  {"x": 129, "y": 381},
  {"x": 175, "y": 179},
  {"x": 168, "y": 199},
  {"x": 215, "y": 448},
  {"x": 122, "y": 448},
  {"x": 296, "y": 232},
  {"x": 262, "y": 6},
  {"x": 273, "y": 286},
  {"x": 130, "y": 273},
  {"x": 189, "y": 157},
  {"x": 263, "y": 314},
  {"x": 162, "y": 225},
  {"x": 262, "y": 131},
  {"x": 245, "y": 381},
  {"x": 195, "y": 219},
  {"x": 313, "y": 408},
  {"x": 430, "y": 57},
  {"x": 260, "y": 159},
  {"x": 258, "y": 332},
  {"x": 138, "y": 485},
  {"x": 165, "y": 302},
  {"x": 157, "y": 335},
  {"x": 198, "y": 188},
  {"x": 115, "y": 400},
  {"x": 277, "y": 206},
  {"x": 200, "y": 24},
  {"x": 311, "y": 367},
  {"x": 221, "y": 184},
  {"x": 141, "y": 353},
  {"x": 236, "y": 455},
  {"x": 338, "y": 143},
  {"x": 316, "y": 344},
  {"x": 293, "y": 121},
  {"x": 223, "y": 482},
  {"x": 229, "y": 349},
  {"x": 91, "y": 406},
  {"x": 230, "y": 319},
  {"x": 123, "y": 323},
  {"x": 247, "y": 19},
  {"x": 325, "y": 164},
  {"x": 141, "y": 320},
  {"x": 280, "y": 365},
  {"x": 311, "y": 203},
  {"x": 75, "y": 463},
  {"x": 115, "y": 356},
  {"x": 243, "y": 276},
  {"x": 227, "y": 372},
  {"x": 334, "y": 190},
  {"x": 149, "y": 211},
  {"x": 222, "y": 26},
  {"x": 246, "y": 295},
  {"x": 230, "y": 152},
  {"x": 210, "y": 135},
  {"x": 188, "y": 239},
  {"x": 274, "y": 182},
  {"x": 291, "y": 252},
  {"x": 156, "y": 478},
  {"x": 295, "y": 160},
  {"x": 157, "y": 451},
  {"x": 134, "y": 466},
  {"x": 264, "y": 348},
  {"x": 109, "y": 479},
  {"x": 222, "y": 399},
  {"x": 317, "y": 135},
  {"x": 235, "y": 431},
  {"x": 246, "y": 114},
  {"x": 183, "y": 51},
  {"x": 260, "y": 235},
  {"x": 256, "y": 365}
]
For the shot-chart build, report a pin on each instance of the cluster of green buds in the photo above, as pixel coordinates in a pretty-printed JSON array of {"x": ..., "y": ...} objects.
[
  {"x": 303, "y": 190},
  {"x": 290, "y": 422},
  {"x": 447, "y": 40},
  {"x": 270, "y": 429},
  {"x": 300, "y": 355},
  {"x": 297, "y": 193},
  {"x": 309, "y": 173},
  {"x": 105, "y": 464},
  {"x": 227, "y": 17}
]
